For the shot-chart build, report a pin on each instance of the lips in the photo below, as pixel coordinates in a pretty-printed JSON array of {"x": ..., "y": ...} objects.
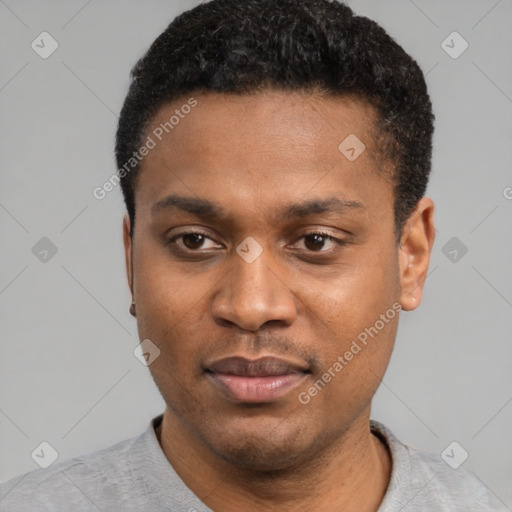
[{"x": 251, "y": 381}]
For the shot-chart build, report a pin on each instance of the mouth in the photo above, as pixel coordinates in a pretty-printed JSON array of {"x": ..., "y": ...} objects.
[{"x": 255, "y": 381}]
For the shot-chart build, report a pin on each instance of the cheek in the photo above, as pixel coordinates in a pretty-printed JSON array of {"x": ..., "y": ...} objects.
[
  {"x": 166, "y": 290},
  {"x": 354, "y": 296},
  {"x": 354, "y": 361},
  {"x": 168, "y": 302},
  {"x": 356, "y": 319}
]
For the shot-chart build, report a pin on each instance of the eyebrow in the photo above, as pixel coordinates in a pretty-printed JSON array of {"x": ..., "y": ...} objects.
[
  {"x": 193, "y": 205},
  {"x": 319, "y": 206},
  {"x": 204, "y": 209}
]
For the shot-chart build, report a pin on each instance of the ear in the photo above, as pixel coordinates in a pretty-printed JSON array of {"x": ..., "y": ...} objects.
[
  {"x": 127, "y": 241},
  {"x": 414, "y": 253}
]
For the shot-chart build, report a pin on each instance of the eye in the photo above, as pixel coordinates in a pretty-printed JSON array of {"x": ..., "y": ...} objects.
[
  {"x": 316, "y": 241},
  {"x": 193, "y": 241},
  {"x": 197, "y": 241}
]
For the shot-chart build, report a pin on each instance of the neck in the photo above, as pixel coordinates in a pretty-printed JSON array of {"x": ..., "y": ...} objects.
[{"x": 351, "y": 474}]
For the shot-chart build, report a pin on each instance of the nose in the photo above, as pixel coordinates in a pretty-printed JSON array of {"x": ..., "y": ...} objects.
[{"x": 253, "y": 294}]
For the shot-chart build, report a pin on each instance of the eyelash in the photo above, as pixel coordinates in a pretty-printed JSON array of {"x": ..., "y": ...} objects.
[{"x": 323, "y": 234}]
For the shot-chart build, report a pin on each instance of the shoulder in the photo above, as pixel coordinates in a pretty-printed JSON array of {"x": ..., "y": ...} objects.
[
  {"x": 424, "y": 481},
  {"x": 81, "y": 483}
]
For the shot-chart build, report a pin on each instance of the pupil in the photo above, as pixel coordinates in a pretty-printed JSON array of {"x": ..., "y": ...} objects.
[
  {"x": 196, "y": 240},
  {"x": 318, "y": 241}
]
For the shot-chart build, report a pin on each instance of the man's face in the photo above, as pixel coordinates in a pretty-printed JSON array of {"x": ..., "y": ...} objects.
[{"x": 268, "y": 168}]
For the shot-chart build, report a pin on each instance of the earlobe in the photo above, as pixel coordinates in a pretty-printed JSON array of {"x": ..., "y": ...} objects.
[{"x": 414, "y": 253}]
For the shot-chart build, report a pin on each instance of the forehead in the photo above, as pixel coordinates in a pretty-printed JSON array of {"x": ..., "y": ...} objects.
[
  {"x": 244, "y": 149},
  {"x": 285, "y": 123}
]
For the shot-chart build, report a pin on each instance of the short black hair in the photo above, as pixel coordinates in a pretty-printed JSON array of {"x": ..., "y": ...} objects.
[{"x": 247, "y": 46}]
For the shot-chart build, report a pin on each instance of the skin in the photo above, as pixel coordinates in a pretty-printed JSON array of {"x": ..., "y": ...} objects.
[{"x": 198, "y": 300}]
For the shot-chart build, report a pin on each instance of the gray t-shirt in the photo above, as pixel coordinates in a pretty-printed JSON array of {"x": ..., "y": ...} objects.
[{"x": 135, "y": 475}]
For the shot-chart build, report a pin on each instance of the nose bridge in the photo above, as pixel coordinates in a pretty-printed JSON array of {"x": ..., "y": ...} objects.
[{"x": 253, "y": 292}]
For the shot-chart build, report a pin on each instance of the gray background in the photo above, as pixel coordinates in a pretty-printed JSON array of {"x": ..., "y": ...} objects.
[{"x": 67, "y": 371}]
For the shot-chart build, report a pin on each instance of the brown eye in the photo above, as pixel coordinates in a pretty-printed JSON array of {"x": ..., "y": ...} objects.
[
  {"x": 319, "y": 242},
  {"x": 193, "y": 240},
  {"x": 315, "y": 241}
]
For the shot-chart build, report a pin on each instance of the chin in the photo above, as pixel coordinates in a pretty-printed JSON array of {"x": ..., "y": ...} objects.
[
  {"x": 265, "y": 449},
  {"x": 258, "y": 456}
]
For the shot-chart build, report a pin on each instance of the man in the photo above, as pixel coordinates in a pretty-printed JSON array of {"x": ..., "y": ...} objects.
[{"x": 274, "y": 157}]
